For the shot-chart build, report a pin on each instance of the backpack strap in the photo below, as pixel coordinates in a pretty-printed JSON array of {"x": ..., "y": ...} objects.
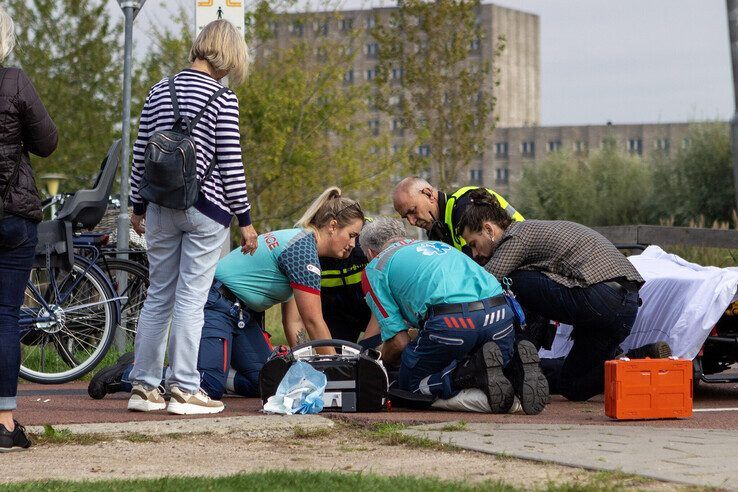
[
  {"x": 212, "y": 98},
  {"x": 199, "y": 115},
  {"x": 173, "y": 94}
]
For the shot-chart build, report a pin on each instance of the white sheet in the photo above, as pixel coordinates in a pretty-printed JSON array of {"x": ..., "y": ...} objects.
[{"x": 682, "y": 301}]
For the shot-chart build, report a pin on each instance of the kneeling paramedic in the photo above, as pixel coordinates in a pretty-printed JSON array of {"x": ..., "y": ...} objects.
[
  {"x": 233, "y": 344},
  {"x": 466, "y": 326}
]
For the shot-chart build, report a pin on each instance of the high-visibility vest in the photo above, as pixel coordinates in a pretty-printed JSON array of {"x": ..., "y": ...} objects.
[
  {"x": 458, "y": 241},
  {"x": 350, "y": 274}
]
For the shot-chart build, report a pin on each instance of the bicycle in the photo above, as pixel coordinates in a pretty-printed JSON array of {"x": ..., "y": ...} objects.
[{"x": 71, "y": 310}]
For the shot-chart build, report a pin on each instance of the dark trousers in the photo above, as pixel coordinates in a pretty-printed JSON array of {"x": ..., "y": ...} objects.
[
  {"x": 17, "y": 245},
  {"x": 345, "y": 311},
  {"x": 428, "y": 362},
  {"x": 223, "y": 345},
  {"x": 601, "y": 316}
]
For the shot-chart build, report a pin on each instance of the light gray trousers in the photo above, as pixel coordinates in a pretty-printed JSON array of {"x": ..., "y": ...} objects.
[{"x": 183, "y": 247}]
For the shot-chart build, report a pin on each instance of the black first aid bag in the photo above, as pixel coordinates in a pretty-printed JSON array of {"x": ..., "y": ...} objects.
[{"x": 357, "y": 380}]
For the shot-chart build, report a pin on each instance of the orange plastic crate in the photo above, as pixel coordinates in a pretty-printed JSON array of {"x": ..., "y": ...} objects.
[{"x": 648, "y": 389}]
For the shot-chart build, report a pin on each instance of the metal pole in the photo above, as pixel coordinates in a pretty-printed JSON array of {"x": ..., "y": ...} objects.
[
  {"x": 130, "y": 9},
  {"x": 732, "y": 6}
]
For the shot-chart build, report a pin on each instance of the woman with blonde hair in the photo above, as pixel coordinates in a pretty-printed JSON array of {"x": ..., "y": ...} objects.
[
  {"x": 26, "y": 127},
  {"x": 234, "y": 345},
  {"x": 184, "y": 245}
]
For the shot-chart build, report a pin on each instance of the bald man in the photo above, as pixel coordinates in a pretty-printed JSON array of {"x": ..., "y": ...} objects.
[{"x": 426, "y": 207}]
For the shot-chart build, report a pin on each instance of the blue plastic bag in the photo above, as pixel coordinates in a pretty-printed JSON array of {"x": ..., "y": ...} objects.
[{"x": 300, "y": 391}]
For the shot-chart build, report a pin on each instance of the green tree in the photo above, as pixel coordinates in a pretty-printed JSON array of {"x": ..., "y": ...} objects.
[
  {"x": 303, "y": 127},
  {"x": 72, "y": 53},
  {"x": 698, "y": 181},
  {"x": 606, "y": 188},
  {"x": 428, "y": 81}
]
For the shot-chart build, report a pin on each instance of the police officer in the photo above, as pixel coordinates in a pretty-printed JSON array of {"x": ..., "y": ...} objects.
[{"x": 438, "y": 213}]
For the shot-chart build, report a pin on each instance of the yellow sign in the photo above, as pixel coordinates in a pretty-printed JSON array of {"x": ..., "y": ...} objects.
[{"x": 207, "y": 11}]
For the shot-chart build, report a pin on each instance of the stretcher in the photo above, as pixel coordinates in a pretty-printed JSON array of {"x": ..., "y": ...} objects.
[{"x": 686, "y": 305}]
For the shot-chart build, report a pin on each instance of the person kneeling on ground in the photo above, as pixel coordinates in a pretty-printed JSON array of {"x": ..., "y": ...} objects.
[
  {"x": 566, "y": 272},
  {"x": 466, "y": 327},
  {"x": 284, "y": 264}
]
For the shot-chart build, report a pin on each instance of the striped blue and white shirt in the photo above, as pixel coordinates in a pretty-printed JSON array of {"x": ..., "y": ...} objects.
[{"x": 224, "y": 193}]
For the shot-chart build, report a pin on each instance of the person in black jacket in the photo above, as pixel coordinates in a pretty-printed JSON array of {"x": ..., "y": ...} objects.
[{"x": 25, "y": 126}]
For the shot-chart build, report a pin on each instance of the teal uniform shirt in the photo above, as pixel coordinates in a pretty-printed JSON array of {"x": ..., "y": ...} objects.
[
  {"x": 285, "y": 260},
  {"x": 410, "y": 276}
]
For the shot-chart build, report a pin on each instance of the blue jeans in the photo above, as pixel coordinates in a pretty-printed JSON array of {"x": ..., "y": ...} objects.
[
  {"x": 18, "y": 241},
  {"x": 225, "y": 346},
  {"x": 602, "y": 318},
  {"x": 428, "y": 362},
  {"x": 183, "y": 247}
]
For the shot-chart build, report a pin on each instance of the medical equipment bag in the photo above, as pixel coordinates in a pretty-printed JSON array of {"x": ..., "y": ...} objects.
[{"x": 357, "y": 379}]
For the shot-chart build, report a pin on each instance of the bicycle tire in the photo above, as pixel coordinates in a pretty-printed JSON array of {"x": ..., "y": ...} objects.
[
  {"x": 137, "y": 285},
  {"x": 69, "y": 336}
]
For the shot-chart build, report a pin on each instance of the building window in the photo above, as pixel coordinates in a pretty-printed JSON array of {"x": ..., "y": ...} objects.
[
  {"x": 371, "y": 103},
  {"x": 662, "y": 144},
  {"x": 374, "y": 127},
  {"x": 371, "y": 50},
  {"x": 635, "y": 145},
  {"x": 373, "y": 150},
  {"x": 554, "y": 145},
  {"x": 528, "y": 149},
  {"x": 394, "y": 100},
  {"x": 502, "y": 175},
  {"x": 274, "y": 27},
  {"x": 397, "y": 74},
  {"x": 476, "y": 175},
  {"x": 475, "y": 45},
  {"x": 371, "y": 73},
  {"x": 396, "y": 148},
  {"x": 347, "y": 24},
  {"x": 321, "y": 53},
  {"x": 348, "y": 76},
  {"x": 501, "y": 149},
  {"x": 371, "y": 22},
  {"x": 685, "y": 143},
  {"x": 296, "y": 29},
  {"x": 424, "y": 150},
  {"x": 321, "y": 28},
  {"x": 398, "y": 128},
  {"x": 579, "y": 147}
]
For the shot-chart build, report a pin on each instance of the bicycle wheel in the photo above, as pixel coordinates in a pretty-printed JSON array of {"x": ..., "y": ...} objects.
[
  {"x": 131, "y": 281},
  {"x": 67, "y": 323}
]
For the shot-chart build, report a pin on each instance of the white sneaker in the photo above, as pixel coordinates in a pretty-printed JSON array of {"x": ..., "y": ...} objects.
[
  {"x": 143, "y": 400},
  {"x": 182, "y": 403}
]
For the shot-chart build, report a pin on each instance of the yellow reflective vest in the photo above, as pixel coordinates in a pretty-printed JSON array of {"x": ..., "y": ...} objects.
[{"x": 458, "y": 241}]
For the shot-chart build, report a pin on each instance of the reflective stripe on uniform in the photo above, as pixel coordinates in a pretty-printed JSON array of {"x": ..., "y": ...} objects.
[
  {"x": 339, "y": 279},
  {"x": 458, "y": 241}
]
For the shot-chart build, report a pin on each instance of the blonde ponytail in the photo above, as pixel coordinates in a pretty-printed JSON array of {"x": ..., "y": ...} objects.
[{"x": 330, "y": 205}]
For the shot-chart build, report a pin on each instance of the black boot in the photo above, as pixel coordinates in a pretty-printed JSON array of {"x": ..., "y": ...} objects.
[
  {"x": 658, "y": 350},
  {"x": 108, "y": 380},
  {"x": 539, "y": 331},
  {"x": 529, "y": 383},
  {"x": 483, "y": 370}
]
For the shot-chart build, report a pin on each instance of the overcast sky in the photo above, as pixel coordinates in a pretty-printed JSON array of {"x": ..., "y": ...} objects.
[{"x": 626, "y": 61}]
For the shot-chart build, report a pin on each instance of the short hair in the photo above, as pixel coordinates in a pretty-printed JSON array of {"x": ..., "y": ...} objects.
[
  {"x": 377, "y": 234},
  {"x": 221, "y": 45},
  {"x": 7, "y": 34},
  {"x": 331, "y": 205}
]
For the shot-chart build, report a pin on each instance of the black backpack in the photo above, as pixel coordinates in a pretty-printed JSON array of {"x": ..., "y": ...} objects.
[{"x": 170, "y": 161}]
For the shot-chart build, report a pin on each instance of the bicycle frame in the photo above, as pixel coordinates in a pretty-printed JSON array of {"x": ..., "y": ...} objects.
[{"x": 61, "y": 297}]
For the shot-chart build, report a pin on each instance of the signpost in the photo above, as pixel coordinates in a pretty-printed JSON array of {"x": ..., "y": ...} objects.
[
  {"x": 732, "y": 7},
  {"x": 130, "y": 9},
  {"x": 209, "y": 10}
]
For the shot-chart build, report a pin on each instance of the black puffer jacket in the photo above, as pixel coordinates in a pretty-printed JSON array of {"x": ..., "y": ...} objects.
[{"x": 25, "y": 127}]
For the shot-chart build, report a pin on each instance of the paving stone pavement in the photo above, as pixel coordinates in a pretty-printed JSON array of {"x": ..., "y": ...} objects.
[{"x": 692, "y": 456}]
